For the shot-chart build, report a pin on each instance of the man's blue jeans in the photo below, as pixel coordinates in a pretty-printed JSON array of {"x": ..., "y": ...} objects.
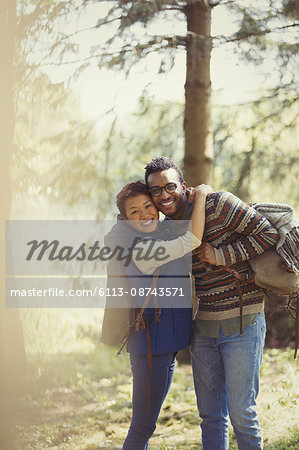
[
  {"x": 226, "y": 379},
  {"x": 143, "y": 424}
]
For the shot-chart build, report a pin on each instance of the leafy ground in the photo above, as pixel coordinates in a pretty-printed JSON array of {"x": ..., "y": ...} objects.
[{"x": 80, "y": 398}]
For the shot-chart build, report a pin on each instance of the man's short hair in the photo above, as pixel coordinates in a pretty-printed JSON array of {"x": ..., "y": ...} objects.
[
  {"x": 162, "y": 163},
  {"x": 130, "y": 190}
]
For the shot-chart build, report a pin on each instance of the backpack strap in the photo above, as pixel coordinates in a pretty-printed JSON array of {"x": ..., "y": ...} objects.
[
  {"x": 149, "y": 364},
  {"x": 142, "y": 323},
  {"x": 248, "y": 276},
  {"x": 291, "y": 309},
  {"x": 131, "y": 324},
  {"x": 136, "y": 317},
  {"x": 294, "y": 311},
  {"x": 139, "y": 325},
  {"x": 296, "y": 325}
]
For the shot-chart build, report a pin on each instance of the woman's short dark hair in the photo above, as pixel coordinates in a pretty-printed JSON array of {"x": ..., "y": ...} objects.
[
  {"x": 130, "y": 190},
  {"x": 162, "y": 163}
]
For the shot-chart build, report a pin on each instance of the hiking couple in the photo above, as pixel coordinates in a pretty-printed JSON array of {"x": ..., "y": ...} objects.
[{"x": 226, "y": 340}]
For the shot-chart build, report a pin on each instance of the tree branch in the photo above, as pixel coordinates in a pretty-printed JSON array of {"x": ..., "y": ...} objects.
[
  {"x": 240, "y": 37},
  {"x": 74, "y": 61},
  {"x": 214, "y": 4}
]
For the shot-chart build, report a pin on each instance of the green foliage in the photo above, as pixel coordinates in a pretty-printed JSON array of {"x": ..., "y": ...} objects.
[
  {"x": 266, "y": 34},
  {"x": 290, "y": 9},
  {"x": 255, "y": 149},
  {"x": 254, "y": 144},
  {"x": 291, "y": 442},
  {"x": 129, "y": 43},
  {"x": 52, "y": 331},
  {"x": 38, "y": 21},
  {"x": 59, "y": 156}
]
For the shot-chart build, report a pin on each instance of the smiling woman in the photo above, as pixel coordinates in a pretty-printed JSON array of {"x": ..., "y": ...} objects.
[
  {"x": 142, "y": 213},
  {"x": 163, "y": 327}
]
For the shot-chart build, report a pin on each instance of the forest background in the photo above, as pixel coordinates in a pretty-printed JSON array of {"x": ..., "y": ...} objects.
[{"x": 90, "y": 92}]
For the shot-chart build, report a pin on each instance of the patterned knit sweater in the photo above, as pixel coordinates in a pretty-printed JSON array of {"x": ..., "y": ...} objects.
[{"x": 238, "y": 233}]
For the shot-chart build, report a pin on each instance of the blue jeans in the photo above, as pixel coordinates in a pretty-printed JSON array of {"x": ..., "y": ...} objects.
[
  {"x": 226, "y": 380},
  {"x": 143, "y": 424}
]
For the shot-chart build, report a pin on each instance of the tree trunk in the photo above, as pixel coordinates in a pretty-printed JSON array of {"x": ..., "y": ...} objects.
[
  {"x": 198, "y": 160},
  {"x": 12, "y": 355},
  {"x": 243, "y": 186}
]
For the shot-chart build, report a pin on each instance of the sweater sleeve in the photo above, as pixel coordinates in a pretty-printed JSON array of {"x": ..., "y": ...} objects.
[
  {"x": 254, "y": 233},
  {"x": 159, "y": 252}
]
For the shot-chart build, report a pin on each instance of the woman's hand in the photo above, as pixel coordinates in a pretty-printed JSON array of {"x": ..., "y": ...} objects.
[
  {"x": 201, "y": 189},
  {"x": 206, "y": 254}
]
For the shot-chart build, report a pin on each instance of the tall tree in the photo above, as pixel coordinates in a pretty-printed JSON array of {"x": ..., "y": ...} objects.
[
  {"x": 263, "y": 29},
  {"x": 198, "y": 160}
]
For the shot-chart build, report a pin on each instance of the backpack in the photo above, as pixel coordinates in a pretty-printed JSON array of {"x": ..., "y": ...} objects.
[
  {"x": 117, "y": 322},
  {"x": 277, "y": 270}
]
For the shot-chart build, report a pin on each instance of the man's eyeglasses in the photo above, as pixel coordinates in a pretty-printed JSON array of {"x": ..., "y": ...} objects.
[{"x": 157, "y": 190}]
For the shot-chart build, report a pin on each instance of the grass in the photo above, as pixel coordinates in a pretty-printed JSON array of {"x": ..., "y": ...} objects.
[{"x": 78, "y": 392}]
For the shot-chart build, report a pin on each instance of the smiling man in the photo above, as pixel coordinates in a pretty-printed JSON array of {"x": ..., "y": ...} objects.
[
  {"x": 168, "y": 191},
  {"x": 227, "y": 344}
]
